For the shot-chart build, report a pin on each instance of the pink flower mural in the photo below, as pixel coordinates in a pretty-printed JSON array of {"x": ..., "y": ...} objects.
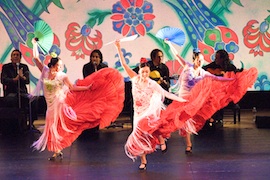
[
  {"x": 257, "y": 37},
  {"x": 81, "y": 41},
  {"x": 219, "y": 38},
  {"x": 132, "y": 17}
]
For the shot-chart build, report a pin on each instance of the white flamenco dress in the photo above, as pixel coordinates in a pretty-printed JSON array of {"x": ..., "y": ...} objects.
[{"x": 148, "y": 104}]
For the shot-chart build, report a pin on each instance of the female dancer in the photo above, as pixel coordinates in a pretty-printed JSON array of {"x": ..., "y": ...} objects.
[
  {"x": 74, "y": 108},
  {"x": 206, "y": 94},
  {"x": 191, "y": 74},
  {"x": 148, "y": 103}
]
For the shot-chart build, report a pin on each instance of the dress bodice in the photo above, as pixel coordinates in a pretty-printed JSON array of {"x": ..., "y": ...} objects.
[
  {"x": 53, "y": 88},
  {"x": 189, "y": 77},
  {"x": 141, "y": 96}
]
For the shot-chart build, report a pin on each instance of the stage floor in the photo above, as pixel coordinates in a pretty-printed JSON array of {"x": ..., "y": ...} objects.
[{"x": 236, "y": 151}]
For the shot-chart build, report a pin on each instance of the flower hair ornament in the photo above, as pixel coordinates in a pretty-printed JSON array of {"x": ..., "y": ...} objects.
[
  {"x": 53, "y": 55},
  {"x": 143, "y": 60}
]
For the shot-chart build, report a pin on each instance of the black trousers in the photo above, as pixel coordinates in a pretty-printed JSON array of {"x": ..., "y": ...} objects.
[
  {"x": 218, "y": 116},
  {"x": 12, "y": 101}
]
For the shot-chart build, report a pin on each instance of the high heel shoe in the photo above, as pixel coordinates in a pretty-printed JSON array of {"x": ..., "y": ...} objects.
[
  {"x": 143, "y": 166},
  {"x": 188, "y": 150},
  {"x": 59, "y": 156},
  {"x": 163, "y": 150}
]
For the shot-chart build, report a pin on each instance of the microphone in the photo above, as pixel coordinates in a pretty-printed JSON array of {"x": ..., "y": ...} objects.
[
  {"x": 95, "y": 65},
  {"x": 18, "y": 67}
]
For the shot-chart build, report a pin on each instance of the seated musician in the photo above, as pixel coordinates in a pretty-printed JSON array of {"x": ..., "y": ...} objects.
[{"x": 219, "y": 67}]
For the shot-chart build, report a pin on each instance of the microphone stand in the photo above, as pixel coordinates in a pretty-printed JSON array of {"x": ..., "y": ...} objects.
[
  {"x": 19, "y": 86},
  {"x": 31, "y": 126},
  {"x": 22, "y": 112}
]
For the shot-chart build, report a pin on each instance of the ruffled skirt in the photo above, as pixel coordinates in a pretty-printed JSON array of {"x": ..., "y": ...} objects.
[
  {"x": 82, "y": 110},
  {"x": 206, "y": 97},
  {"x": 144, "y": 138}
]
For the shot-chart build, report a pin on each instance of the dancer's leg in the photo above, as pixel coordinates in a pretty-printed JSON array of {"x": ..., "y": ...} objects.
[
  {"x": 143, "y": 162},
  {"x": 188, "y": 143},
  {"x": 162, "y": 143}
]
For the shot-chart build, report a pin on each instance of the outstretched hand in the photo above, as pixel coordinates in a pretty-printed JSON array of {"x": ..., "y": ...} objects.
[
  {"x": 34, "y": 41},
  {"x": 182, "y": 100},
  {"x": 225, "y": 79},
  {"x": 117, "y": 43},
  {"x": 166, "y": 41},
  {"x": 89, "y": 87}
]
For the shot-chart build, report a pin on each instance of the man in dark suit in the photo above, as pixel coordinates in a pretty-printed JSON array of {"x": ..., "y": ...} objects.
[
  {"x": 94, "y": 65},
  {"x": 15, "y": 77}
]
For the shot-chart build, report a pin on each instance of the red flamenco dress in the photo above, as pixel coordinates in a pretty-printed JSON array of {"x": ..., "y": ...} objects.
[
  {"x": 71, "y": 112},
  {"x": 206, "y": 97}
]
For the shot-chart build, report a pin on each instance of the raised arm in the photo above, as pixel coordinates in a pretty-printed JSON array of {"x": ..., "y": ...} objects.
[
  {"x": 177, "y": 57},
  {"x": 38, "y": 63},
  {"x": 128, "y": 70}
]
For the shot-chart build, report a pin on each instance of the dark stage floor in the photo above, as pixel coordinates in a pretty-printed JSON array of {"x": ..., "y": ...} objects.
[{"x": 236, "y": 151}]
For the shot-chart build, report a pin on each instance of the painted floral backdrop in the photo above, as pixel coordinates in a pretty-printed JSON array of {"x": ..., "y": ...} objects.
[{"x": 239, "y": 26}]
